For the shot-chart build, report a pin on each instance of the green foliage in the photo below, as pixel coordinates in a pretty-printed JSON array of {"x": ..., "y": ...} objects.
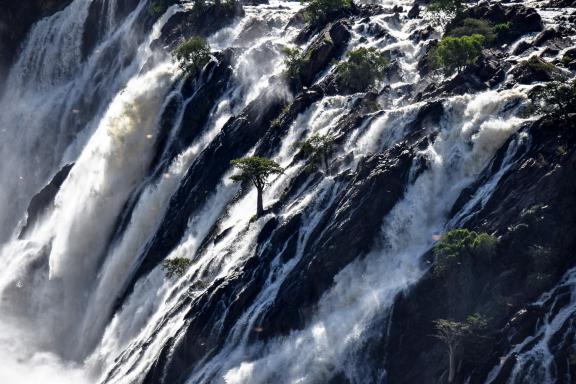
[
  {"x": 442, "y": 11},
  {"x": 464, "y": 339},
  {"x": 317, "y": 150},
  {"x": 363, "y": 67},
  {"x": 192, "y": 55},
  {"x": 294, "y": 61},
  {"x": 318, "y": 11},
  {"x": 455, "y": 53},
  {"x": 555, "y": 99},
  {"x": 458, "y": 244},
  {"x": 224, "y": 8},
  {"x": 503, "y": 29},
  {"x": 176, "y": 267},
  {"x": 255, "y": 170},
  {"x": 158, "y": 7},
  {"x": 470, "y": 27}
]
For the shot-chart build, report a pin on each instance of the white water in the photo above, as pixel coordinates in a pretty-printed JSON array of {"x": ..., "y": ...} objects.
[{"x": 60, "y": 283}]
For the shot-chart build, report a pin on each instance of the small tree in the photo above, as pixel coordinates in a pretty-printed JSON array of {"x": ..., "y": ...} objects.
[
  {"x": 457, "y": 336},
  {"x": 294, "y": 61},
  {"x": 176, "y": 267},
  {"x": 256, "y": 170},
  {"x": 459, "y": 244},
  {"x": 318, "y": 11},
  {"x": 555, "y": 99},
  {"x": 453, "y": 54},
  {"x": 363, "y": 67},
  {"x": 192, "y": 55},
  {"x": 318, "y": 150}
]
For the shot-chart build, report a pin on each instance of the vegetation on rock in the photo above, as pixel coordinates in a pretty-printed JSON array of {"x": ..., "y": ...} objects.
[
  {"x": 470, "y": 27},
  {"x": 318, "y": 11},
  {"x": 453, "y": 54},
  {"x": 256, "y": 170},
  {"x": 158, "y": 7},
  {"x": 177, "y": 267},
  {"x": 459, "y": 244},
  {"x": 192, "y": 55},
  {"x": 555, "y": 99},
  {"x": 362, "y": 68},
  {"x": 317, "y": 150},
  {"x": 442, "y": 11},
  {"x": 293, "y": 62}
]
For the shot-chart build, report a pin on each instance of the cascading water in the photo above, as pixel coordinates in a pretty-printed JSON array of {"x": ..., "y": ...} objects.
[{"x": 79, "y": 303}]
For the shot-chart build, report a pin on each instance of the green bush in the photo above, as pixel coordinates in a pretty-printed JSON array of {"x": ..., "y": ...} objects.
[
  {"x": 362, "y": 68},
  {"x": 176, "y": 267},
  {"x": 318, "y": 11},
  {"x": 556, "y": 99},
  {"x": 453, "y": 54},
  {"x": 459, "y": 244},
  {"x": 192, "y": 55},
  {"x": 317, "y": 150},
  {"x": 294, "y": 61},
  {"x": 503, "y": 29},
  {"x": 470, "y": 27}
]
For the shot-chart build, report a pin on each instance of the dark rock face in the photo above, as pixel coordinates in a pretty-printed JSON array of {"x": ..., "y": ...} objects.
[
  {"x": 523, "y": 20},
  {"x": 534, "y": 70},
  {"x": 16, "y": 18},
  {"x": 327, "y": 46},
  {"x": 191, "y": 23},
  {"x": 541, "y": 176},
  {"x": 45, "y": 198}
]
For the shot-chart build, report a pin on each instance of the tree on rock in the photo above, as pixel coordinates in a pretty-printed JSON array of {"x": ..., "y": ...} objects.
[
  {"x": 453, "y": 54},
  {"x": 192, "y": 55},
  {"x": 317, "y": 150},
  {"x": 256, "y": 170},
  {"x": 458, "y": 336}
]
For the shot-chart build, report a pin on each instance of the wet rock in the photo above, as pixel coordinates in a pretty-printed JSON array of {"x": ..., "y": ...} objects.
[
  {"x": 550, "y": 181},
  {"x": 44, "y": 199},
  {"x": 523, "y": 19},
  {"x": 414, "y": 12},
  {"x": 422, "y": 34},
  {"x": 534, "y": 70},
  {"x": 377, "y": 185},
  {"x": 327, "y": 46}
]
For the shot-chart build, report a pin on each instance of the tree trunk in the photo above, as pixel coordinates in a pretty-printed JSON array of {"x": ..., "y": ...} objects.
[
  {"x": 259, "y": 204},
  {"x": 451, "y": 365}
]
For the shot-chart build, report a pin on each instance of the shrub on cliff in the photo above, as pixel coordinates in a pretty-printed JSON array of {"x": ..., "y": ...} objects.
[
  {"x": 317, "y": 150},
  {"x": 362, "y": 68},
  {"x": 453, "y": 54},
  {"x": 294, "y": 61},
  {"x": 458, "y": 244},
  {"x": 318, "y": 11},
  {"x": 470, "y": 27},
  {"x": 176, "y": 267},
  {"x": 555, "y": 99},
  {"x": 192, "y": 55}
]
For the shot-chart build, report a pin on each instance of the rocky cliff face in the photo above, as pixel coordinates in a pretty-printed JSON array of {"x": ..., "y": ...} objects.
[{"x": 336, "y": 282}]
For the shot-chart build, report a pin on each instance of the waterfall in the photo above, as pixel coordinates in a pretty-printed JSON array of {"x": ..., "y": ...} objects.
[{"x": 83, "y": 295}]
